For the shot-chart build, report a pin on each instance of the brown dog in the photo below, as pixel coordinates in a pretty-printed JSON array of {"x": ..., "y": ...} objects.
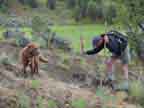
[{"x": 30, "y": 57}]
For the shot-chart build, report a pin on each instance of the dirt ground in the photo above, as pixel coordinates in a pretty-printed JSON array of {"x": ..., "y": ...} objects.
[{"x": 67, "y": 77}]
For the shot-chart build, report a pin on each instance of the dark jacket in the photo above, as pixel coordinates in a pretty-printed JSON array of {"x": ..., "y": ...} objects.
[{"x": 116, "y": 45}]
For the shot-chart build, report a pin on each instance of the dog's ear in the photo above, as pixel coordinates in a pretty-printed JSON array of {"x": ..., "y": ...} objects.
[{"x": 32, "y": 45}]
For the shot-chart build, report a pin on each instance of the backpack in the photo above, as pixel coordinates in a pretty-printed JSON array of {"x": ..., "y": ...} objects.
[{"x": 121, "y": 39}]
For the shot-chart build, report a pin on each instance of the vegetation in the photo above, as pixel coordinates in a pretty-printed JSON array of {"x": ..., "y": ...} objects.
[
  {"x": 70, "y": 20},
  {"x": 80, "y": 103},
  {"x": 35, "y": 84},
  {"x": 24, "y": 101},
  {"x": 51, "y": 104},
  {"x": 136, "y": 92}
]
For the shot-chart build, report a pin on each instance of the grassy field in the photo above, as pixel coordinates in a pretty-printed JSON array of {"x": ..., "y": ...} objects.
[{"x": 73, "y": 33}]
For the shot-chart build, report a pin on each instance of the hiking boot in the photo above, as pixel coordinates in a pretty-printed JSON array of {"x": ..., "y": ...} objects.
[
  {"x": 110, "y": 81},
  {"x": 123, "y": 86}
]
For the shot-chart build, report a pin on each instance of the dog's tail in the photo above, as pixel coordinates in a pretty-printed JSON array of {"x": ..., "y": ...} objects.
[{"x": 42, "y": 59}]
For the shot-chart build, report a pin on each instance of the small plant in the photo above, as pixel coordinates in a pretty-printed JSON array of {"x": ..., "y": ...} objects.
[
  {"x": 51, "y": 104},
  {"x": 4, "y": 59},
  {"x": 40, "y": 102},
  {"x": 38, "y": 25},
  {"x": 136, "y": 92},
  {"x": 35, "y": 84},
  {"x": 24, "y": 101},
  {"x": 80, "y": 103}
]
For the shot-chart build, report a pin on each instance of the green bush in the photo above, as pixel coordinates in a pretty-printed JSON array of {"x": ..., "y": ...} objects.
[
  {"x": 80, "y": 103},
  {"x": 40, "y": 102},
  {"x": 92, "y": 10},
  {"x": 110, "y": 14},
  {"x": 35, "y": 84},
  {"x": 51, "y": 104},
  {"x": 136, "y": 92},
  {"x": 38, "y": 25},
  {"x": 3, "y": 8},
  {"x": 31, "y": 3},
  {"x": 71, "y": 3},
  {"x": 24, "y": 101},
  {"x": 5, "y": 60}
]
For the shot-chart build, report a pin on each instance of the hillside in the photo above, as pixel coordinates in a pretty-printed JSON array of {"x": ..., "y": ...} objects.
[{"x": 56, "y": 85}]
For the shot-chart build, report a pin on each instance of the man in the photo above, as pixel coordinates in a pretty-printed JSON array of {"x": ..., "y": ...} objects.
[{"x": 117, "y": 44}]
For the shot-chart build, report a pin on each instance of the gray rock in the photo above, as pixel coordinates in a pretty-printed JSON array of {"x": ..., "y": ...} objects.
[
  {"x": 59, "y": 42},
  {"x": 13, "y": 23},
  {"x": 23, "y": 41},
  {"x": 8, "y": 34}
]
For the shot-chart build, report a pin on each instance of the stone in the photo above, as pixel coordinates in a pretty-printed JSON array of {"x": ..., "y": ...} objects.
[
  {"x": 8, "y": 34},
  {"x": 59, "y": 42}
]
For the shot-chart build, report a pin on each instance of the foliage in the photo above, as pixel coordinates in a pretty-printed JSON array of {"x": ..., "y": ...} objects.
[
  {"x": 130, "y": 14},
  {"x": 80, "y": 103},
  {"x": 83, "y": 4},
  {"x": 3, "y": 8},
  {"x": 73, "y": 33},
  {"x": 38, "y": 25},
  {"x": 4, "y": 59},
  {"x": 31, "y": 3},
  {"x": 35, "y": 84},
  {"x": 136, "y": 92},
  {"x": 71, "y": 3},
  {"x": 40, "y": 102},
  {"x": 110, "y": 14},
  {"x": 105, "y": 97},
  {"x": 51, "y": 4},
  {"x": 51, "y": 104},
  {"x": 92, "y": 9},
  {"x": 24, "y": 101}
]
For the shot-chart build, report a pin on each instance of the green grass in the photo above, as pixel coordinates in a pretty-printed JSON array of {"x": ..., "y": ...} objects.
[
  {"x": 74, "y": 32},
  {"x": 35, "y": 84},
  {"x": 80, "y": 103}
]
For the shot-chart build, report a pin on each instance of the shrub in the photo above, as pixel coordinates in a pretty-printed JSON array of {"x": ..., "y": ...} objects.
[
  {"x": 35, "y": 84},
  {"x": 31, "y": 3},
  {"x": 24, "y": 101},
  {"x": 83, "y": 4},
  {"x": 136, "y": 92},
  {"x": 4, "y": 59},
  {"x": 80, "y": 103},
  {"x": 38, "y": 25},
  {"x": 92, "y": 10},
  {"x": 51, "y": 104},
  {"x": 51, "y": 4},
  {"x": 3, "y": 8},
  {"x": 110, "y": 13},
  {"x": 40, "y": 102},
  {"x": 71, "y": 3}
]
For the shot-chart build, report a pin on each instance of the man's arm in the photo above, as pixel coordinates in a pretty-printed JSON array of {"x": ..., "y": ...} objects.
[{"x": 94, "y": 51}]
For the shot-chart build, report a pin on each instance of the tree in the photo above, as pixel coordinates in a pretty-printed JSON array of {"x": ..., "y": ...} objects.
[
  {"x": 130, "y": 14},
  {"x": 95, "y": 10},
  {"x": 3, "y": 5},
  {"x": 31, "y": 3},
  {"x": 51, "y": 4},
  {"x": 83, "y": 4},
  {"x": 71, "y": 3},
  {"x": 110, "y": 14}
]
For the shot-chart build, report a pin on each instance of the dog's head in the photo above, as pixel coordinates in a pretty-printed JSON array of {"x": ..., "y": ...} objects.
[{"x": 33, "y": 49}]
